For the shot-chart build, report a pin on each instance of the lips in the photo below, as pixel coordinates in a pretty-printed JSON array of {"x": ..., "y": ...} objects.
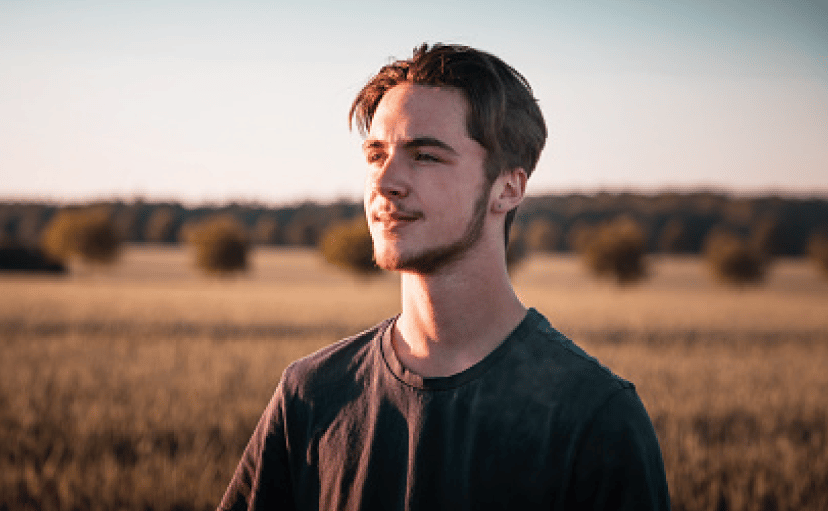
[{"x": 395, "y": 218}]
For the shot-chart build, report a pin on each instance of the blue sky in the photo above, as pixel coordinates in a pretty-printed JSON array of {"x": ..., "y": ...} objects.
[{"x": 218, "y": 101}]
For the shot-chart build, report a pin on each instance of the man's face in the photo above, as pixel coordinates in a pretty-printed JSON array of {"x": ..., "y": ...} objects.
[{"x": 425, "y": 193}]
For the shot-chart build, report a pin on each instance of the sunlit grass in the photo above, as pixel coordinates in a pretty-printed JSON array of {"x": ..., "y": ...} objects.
[{"x": 136, "y": 387}]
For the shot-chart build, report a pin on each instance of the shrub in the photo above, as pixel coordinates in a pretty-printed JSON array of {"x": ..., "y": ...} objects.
[
  {"x": 162, "y": 225},
  {"x": 126, "y": 221},
  {"x": 818, "y": 249},
  {"x": 20, "y": 258},
  {"x": 57, "y": 235},
  {"x": 732, "y": 259},
  {"x": 30, "y": 224},
  {"x": 188, "y": 229},
  {"x": 542, "y": 235},
  {"x": 673, "y": 238},
  {"x": 221, "y": 245},
  {"x": 85, "y": 233},
  {"x": 302, "y": 234},
  {"x": 348, "y": 245},
  {"x": 267, "y": 231},
  {"x": 617, "y": 249},
  {"x": 579, "y": 236},
  {"x": 766, "y": 237}
]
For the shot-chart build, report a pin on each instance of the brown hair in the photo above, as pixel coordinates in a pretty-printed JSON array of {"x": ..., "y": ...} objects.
[{"x": 503, "y": 115}]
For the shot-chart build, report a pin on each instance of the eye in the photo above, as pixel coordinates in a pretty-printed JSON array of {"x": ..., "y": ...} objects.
[
  {"x": 374, "y": 156},
  {"x": 419, "y": 156}
]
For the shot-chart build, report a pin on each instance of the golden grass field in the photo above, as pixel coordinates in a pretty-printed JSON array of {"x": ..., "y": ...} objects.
[{"x": 137, "y": 386}]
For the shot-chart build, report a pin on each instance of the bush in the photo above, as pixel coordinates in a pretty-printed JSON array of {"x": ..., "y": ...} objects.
[
  {"x": 267, "y": 231},
  {"x": 579, "y": 236},
  {"x": 766, "y": 237},
  {"x": 162, "y": 225},
  {"x": 221, "y": 245},
  {"x": 20, "y": 258},
  {"x": 126, "y": 221},
  {"x": 85, "y": 233},
  {"x": 617, "y": 249},
  {"x": 348, "y": 245},
  {"x": 732, "y": 259},
  {"x": 673, "y": 238},
  {"x": 29, "y": 226},
  {"x": 818, "y": 249},
  {"x": 303, "y": 234},
  {"x": 542, "y": 236}
]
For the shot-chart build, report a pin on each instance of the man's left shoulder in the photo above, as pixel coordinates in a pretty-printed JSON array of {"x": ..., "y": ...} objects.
[
  {"x": 556, "y": 355},
  {"x": 551, "y": 368}
]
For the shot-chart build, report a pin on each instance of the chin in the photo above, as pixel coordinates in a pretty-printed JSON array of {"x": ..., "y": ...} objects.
[
  {"x": 392, "y": 260},
  {"x": 387, "y": 257},
  {"x": 425, "y": 262}
]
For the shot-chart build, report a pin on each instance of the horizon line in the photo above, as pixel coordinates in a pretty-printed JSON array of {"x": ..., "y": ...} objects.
[{"x": 744, "y": 193}]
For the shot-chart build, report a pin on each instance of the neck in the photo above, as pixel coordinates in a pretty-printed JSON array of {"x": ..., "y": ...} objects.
[{"x": 453, "y": 319}]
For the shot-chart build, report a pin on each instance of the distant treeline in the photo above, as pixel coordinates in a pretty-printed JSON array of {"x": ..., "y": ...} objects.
[
  {"x": 680, "y": 222},
  {"x": 672, "y": 222}
]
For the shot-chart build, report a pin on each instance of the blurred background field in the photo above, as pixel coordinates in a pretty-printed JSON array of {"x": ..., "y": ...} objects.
[{"x": 136, "y": 386}]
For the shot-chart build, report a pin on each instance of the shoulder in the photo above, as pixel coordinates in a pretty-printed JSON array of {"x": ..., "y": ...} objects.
[
  {"x": 608, "y": 404},
  {"x": 558, "y": 366},
  {"x": 334, "y": 364},
  {"x": 619, "y": 459},
  {"x": 543, "y": 370}
]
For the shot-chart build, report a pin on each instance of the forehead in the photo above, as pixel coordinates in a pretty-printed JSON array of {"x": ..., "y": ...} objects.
[{"x": 408, "y": 110}]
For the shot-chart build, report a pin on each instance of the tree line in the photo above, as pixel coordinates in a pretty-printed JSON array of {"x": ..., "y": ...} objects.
[{"x": 611, "y": 230}]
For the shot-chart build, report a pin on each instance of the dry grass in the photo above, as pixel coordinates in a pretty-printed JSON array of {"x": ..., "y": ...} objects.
[{"x": 137, "y": 386}]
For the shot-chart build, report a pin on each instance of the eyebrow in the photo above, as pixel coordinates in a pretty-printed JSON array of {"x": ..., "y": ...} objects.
[{"x": 413, "y": 143}]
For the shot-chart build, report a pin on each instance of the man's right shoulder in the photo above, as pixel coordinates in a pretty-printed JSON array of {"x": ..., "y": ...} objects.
[{"x": 335, "y": 364}]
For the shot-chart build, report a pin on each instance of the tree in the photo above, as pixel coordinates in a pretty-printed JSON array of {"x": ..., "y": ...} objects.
[
  {"x": 542, "y": 235},
  {"x": 126, "y": 221},
  {"x": 267, "y": 231},
  {"x": 162, "y": 225},
  {"x": 87, "y": 233},
  {"x": 617, "y": 249},
  {"x": 818, "y": 249},
  {"x": 580, "y": 236},
  {"x": 348, "y": 244},
  {"x": 732, "y": 259},
  {"x": 22, "y": 258},
  {"x": 673, "y": 237},
  {"x": 221, "y": 245},
  {"x": 766, "y": 237}
]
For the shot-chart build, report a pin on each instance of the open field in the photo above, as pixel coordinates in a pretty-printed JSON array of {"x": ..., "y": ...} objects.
[{"x": 137, "y": 386}]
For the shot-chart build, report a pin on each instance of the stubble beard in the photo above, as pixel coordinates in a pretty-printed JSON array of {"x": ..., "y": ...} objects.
[{"x": 431, "y": 260}]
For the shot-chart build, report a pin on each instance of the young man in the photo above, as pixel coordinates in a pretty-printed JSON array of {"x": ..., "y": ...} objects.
[{"x": 466, "y": 400}]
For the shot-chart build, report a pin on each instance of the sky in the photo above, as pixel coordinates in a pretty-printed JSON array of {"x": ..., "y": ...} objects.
[{"x": 247, "y": 100}]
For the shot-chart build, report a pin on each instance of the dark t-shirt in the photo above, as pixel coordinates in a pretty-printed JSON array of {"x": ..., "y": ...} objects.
[{"x": 537, "y": 424}]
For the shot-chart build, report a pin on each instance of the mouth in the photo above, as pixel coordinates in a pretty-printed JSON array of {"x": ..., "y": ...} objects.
[{"x": 392, "y": 220}]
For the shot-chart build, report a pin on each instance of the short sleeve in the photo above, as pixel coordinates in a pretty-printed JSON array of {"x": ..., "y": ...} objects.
[
  {"x": 262, "y": 478},
  {"x": 619, "y": 464}
]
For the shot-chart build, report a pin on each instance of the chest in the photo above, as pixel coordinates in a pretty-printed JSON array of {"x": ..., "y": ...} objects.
[{"x": 458, "y": 450}]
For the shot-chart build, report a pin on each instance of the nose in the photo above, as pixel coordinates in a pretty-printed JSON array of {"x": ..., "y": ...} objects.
[{"x": 389, "y": 179}]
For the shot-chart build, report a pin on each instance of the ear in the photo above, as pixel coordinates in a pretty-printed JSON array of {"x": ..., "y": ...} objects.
[{"x": 508, "y": 190}]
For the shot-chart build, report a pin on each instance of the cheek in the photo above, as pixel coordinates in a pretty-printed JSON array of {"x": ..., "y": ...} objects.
[
  {"x": 366, "y": 196},
  {"x": 464, "y": 202}
]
